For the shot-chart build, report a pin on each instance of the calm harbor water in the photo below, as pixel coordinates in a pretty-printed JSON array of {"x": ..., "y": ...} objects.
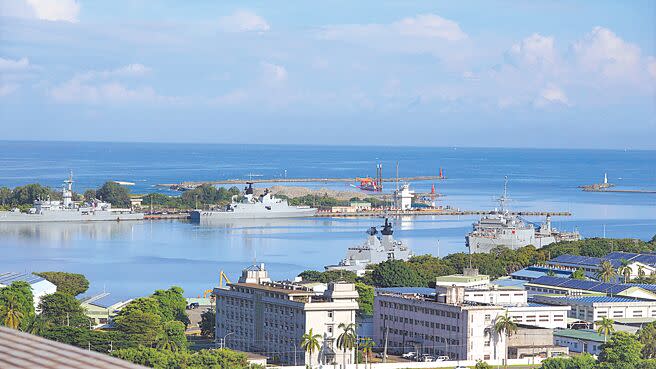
[{"x": 133, "y": 258}]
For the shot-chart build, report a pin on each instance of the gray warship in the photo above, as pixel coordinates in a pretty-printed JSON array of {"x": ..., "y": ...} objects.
[
  {"x": 376, "y": 249},
  {"x": 67, "y": 210},
  {"x": 254, "y": 207},
  {"x": 501, "y": 228}
]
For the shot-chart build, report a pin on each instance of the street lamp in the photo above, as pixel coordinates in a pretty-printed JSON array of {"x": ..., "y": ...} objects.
[{"x": 224, "y": 339}]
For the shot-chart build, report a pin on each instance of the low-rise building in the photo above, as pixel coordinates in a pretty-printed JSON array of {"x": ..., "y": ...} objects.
[
  {"x": 540, "y": 315},
  {"x": 579, "y": 340},
  {"x": 567, "y": 286},
  {"x": 468, "y": 279},
  {"x": 592, "y": 308},
  {"x": 453, "y": 327},
  {"x": 637, "y": 263},
  {"x": 531, "y": 341},
  {"x": 40, "y": 286},
  {"x": 102, "y": 308},
  {"x": 269, "y": 318}
]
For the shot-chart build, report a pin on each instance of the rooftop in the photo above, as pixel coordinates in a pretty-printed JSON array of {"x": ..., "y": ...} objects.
[
  {"x": 20, "y": 350},
  {"x": 595, "y": 286},
  {"x": 460, "y": 278},
  {"x": 595, "y": 299},
  {"x": 409, "y": 290},
  {"x": 103, "y": 300},
  {"x": 288, "y": 289},
  {"x": 581, "y": 334},
  {"x": 7, "y": 278}
]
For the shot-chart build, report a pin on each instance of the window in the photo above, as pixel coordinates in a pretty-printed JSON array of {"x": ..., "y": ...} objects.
[{"x": 330, "y": 314}]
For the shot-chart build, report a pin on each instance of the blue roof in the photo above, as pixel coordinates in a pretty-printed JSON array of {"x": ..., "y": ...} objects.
[
  {"x": 509, "y": 282},
  {"x": 408, "y": 290},
  {"x": 593, "y": 299},
  {"x": 576, "y": 259},
  {"x": 8, "y": 277},
  {"x": 533, "y": 272},
  {"x": 615, "y": 259},
  {"x": 103, "y": 300},
  {"x": 649, "y": 259},
  {"x": 612, "y": 288}
]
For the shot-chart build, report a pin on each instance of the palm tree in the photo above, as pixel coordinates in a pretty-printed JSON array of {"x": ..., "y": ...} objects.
[
  {"x": 606, "y": 272},
  {"x": 11, "y": 313},
  {"x": 625, "y": 270},
  {"x": 166, "y": 343},
  {"x": 36, "y": 325},
  {"x": 367, "y": 347},
  {"x": 641, "y": 271},
  {"x": 504, "y": 325},
  {"x": 347, "y": 339},
  {"x": 310, "y": 343},
  {"x": 605, "y": 327}
]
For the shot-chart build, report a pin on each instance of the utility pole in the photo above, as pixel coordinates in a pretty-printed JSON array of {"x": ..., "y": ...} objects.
[{"x": 385, "y": 346}]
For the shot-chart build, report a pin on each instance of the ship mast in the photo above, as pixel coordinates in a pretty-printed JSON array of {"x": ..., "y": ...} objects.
[{"x": 504, "y": 198}]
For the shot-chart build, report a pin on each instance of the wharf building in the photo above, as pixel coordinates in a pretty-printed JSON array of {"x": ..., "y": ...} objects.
[{"x": 269, "y": 318}]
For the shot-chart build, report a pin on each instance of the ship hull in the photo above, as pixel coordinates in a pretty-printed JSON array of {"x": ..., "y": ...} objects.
[
  {"x": 228, "y": 215},
  {"x": 68, "y": 216}
]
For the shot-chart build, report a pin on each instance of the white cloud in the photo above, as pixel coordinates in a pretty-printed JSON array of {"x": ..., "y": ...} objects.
[
  {"x": 51, "y": 10},
  {"x": 231, "y": 98},
  {"x": 534, "y": 50},
  {"x": 243, "y": 21},
  {"x": 10, "y": 65},
  {"x": 7, "y": 88},
  {"x": 604, "y": 52},
  {"x": 651, "y": 67},
  {"x": 431, "y": 26},
  {"x": 551, "y": 94},
  {"x": 130, "y": 70},
  {"x": 274, "y": 72}
]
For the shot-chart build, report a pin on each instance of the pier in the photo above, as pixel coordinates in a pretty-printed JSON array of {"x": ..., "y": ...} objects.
[
  {"x": 591, "y": 189},
  {"x": 190, "y": 185},
  {"x": 445, "y": 212}
]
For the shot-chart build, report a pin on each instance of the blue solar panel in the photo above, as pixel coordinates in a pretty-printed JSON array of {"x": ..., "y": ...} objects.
[
  {"x": 575, "y": 259},
  {"x": 617, "y": 257}
]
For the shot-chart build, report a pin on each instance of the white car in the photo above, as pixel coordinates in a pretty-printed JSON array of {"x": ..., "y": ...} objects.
[
  {"x": 409, "y": 355},
  {"x": 442, "y": 358}
]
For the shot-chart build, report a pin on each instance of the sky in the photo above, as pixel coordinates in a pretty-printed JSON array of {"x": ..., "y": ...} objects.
[{"x": 547, "y": 74}]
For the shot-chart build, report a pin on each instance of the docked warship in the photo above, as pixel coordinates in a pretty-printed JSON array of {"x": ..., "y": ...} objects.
[
  {"x": 376, "y": 249},
  {"x": 254, "y": 207},
  {"x": 501, "y": 228},
  {"x": 67, "y": 210}
]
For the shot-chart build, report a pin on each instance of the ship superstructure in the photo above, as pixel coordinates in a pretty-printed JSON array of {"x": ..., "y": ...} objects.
[
  {"x": 254, "y": 207},
  {"x": 66, "y": 210},
  {"x": 376, "y": 249},
  {"x": 501, "y": 228}
]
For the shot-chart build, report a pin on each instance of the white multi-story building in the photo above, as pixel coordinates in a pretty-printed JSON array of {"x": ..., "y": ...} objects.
[
  {"x": 592, "y": 308},
  {"x": 453, "y": 327},
  {"x": 40, "y": 286},
  {"x": 269, "y": 318}
]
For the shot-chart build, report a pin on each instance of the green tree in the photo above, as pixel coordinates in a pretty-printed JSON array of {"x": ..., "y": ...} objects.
[
  {"x": 504, "y": 325},
  {"x": 114, "y": 194},
  {"x": 26, "y": 195},
  {"x": 365, "y": 299},
  {"x": 625, "y": 270},
  {"x": 36, "y": 325},
  {"x": 172, "y": 304},
  {"x": 5, "y": 197},
  {"x": 367, "y": 345},
  {"x": 89, "y": 195},
  {"x": 70, "y": 283},
  {"x": 346, "y": 341},
  {"x": 183, "y": 359},
  {"x": 583, "y": 361},
  {"x": 11, "y": 313},
  {"x": 623, "y": 350},
  {"x": 605, "y": 327},
  {"x": 141, "y": 327},
  {"x": 173, "y": 336},
  {"x": 647, "y": 336},
  {"x": 606, "y": 272},
  {"x": 578, "y": 274},
  {"x": 16, "y": 304},
  {"x": 310, "y": 343},
  {"x": 62, "y": 309},
  {"x": 480, "y": 364},
  {"x": 395, "y": 273},
  {"x": 207, "y": 323}
]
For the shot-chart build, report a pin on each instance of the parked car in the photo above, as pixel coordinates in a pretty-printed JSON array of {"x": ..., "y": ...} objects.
[
  {"x": 409, "y": 355},
  {"x": 379, "y": 355},
  {"x": 193, "y": 305},
  {"x": 427, "y": 358},
  {"x": 442, "y": 358},
  {"x": 461, "y": 367}
]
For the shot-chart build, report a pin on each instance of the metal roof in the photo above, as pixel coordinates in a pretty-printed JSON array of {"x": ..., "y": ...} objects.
[
  {"x": 593, "y": 299},
  {"x": 103, "y": 300},
  {"x": 7, "y": 278},
  {"x": 581, "y": 334},
  {"x": 19, "y": 350},
  {"x": 596, "y": 286},
  {"x": 576, "y": 259},
  {"x": 408, "y": 290}
]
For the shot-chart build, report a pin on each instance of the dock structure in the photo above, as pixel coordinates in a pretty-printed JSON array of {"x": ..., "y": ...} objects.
[
  {"x": 445, "y": 212},
  {"x": 191, "y": 184}
]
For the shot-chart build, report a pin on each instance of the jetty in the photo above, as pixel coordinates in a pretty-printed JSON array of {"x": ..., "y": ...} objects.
[
  {"x": 191, "y": 185},
  {"x": 445, "y": 212}
]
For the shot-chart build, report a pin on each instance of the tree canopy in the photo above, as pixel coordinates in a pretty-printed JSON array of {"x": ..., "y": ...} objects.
[
  {"x": 16, "y": 305},
  {"x": 63, "y": 309},
  {"x": 115, "y": 194},
  {"x": 182, "y": 359},
  {"x": 70, "y": 283}
]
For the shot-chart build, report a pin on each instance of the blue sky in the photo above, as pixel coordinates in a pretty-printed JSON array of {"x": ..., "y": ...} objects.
[{"x": 437, "y": 73}]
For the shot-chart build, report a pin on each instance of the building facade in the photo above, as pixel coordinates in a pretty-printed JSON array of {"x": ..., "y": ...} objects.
[
  {"x": 269, "y": 318},
  {"x": 455, "y": 328},
  {"x": 581, "y": 340}
]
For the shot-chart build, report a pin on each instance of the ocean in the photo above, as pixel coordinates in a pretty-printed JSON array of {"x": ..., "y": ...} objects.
[{"x": 130, "y": 259}]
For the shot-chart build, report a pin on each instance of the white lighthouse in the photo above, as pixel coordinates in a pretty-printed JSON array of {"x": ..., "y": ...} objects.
[{"x": 403, "y": 197}]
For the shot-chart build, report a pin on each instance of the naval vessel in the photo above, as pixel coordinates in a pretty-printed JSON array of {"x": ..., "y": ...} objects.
[
  {"x": 376, "y": 249},
  {"x": 504, "y": 229},
  {"x": 67, "y": 210},
  {"x": 254, "y": 207}
]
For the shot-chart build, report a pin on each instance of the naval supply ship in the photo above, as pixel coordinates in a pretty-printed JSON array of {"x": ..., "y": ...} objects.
[
  {"x": 254, "y": 207},
  {"x": 501, "y": 228},
  {"x": 376, "y": 249},
  {"x": 67, "y": 210}
]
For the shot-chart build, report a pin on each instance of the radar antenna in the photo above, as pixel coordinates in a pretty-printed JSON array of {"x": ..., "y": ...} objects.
[{"x": 504, "y": 198}]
